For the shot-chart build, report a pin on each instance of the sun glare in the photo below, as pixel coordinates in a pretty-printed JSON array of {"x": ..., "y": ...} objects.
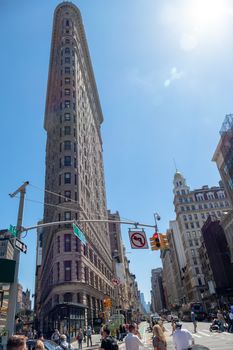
[{"x": 208, "y": 14}]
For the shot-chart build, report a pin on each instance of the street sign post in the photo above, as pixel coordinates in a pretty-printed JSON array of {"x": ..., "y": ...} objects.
[
  {"x": 78, "y": 233},
  {"x": 138, "y": 239},
  {"x": 20, "y": 246}
]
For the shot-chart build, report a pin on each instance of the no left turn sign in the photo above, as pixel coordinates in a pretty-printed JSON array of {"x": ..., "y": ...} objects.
[{"x": 138, "y": 240}]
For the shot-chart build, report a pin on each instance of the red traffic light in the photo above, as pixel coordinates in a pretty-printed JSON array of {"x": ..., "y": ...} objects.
[{"x": 155, "y": 235}]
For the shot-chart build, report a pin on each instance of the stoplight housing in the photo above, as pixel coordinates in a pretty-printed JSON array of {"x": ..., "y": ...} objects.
[
  {"x": 164, "y": 241},
  {"x": 155, "y": 241}
]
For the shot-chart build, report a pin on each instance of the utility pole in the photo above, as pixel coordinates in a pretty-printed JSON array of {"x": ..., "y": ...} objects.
[{"x": 14, "y": 286}]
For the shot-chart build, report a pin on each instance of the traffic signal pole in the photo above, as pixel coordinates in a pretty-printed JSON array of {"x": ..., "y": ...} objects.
[{"x": 14, "y": 285}]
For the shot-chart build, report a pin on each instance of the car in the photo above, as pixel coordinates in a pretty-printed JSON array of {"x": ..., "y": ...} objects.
[{"x": 48, "y": 344}]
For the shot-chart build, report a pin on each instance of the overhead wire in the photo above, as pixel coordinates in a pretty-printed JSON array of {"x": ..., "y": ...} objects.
[{"x": 68, "y": 200}]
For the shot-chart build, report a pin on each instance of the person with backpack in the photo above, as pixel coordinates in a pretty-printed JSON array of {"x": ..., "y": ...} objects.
[
  {"x": 79, "y": 338},
  {"x": 108, "y": 342},
  {"x": 132, "y": 341},
  {"x": 159, "y": 341},
  {"x": 89, "y": 336}
]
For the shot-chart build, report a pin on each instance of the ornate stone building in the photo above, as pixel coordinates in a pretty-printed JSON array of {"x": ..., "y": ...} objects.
[
  {"x": 192, "y": 209},
  {"x": 75, "y": 278}
]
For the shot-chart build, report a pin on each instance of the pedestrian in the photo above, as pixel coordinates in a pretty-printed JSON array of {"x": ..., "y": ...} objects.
[
  {"x": 158, "y": 341},
  {"x": 16, "y": 342},
  {"x": 193, "y": 319},
  {"x": 80, "y": 338},
  {"x": 132, "y": 341},
  {"x": 39, "y": 345},
  {"x": 108, "y": 342},
  {"x": 56, "y": 336},
  {"x": 84, "y": 334},
  {"x": 182, "y": 338},
  {"x": 89, "y": 336},
  {"x": 64, "y": 345},
  {"x": 230, "y": 321},
  {"x": 221, "y": 320}
]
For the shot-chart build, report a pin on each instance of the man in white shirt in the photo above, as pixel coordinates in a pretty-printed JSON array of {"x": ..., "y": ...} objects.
[
  {"x": 132, "y": 342},
  {"x": 182, "y": 338}
]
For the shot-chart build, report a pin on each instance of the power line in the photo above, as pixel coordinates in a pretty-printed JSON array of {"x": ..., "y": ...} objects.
[{"x": 70, "y": 200}]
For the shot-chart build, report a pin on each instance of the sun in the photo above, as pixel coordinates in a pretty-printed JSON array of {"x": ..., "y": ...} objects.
[{"x": 207, "y": 14}]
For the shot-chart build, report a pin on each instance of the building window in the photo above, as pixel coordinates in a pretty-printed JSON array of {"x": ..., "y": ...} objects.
[
  {"x": 67, "y": 92},
  {"x": 59, "y": 180},
  {"x": 67, "y": 242},
  {"x": 67, "y": 178},
  {"x": 67, "y": 70},
  {"x": 184, "y": 218},
  {"x": 67, "y": 215},
  {"x": 68, "y": 297},
  {"x": 67, "y": 145},
  {"x": 67, "y": 104},
  {"x": 67, "y": 41},
  {"x": 78, "y": 298},
  {"x": 67, "y": 194},
  {"x": 67, "y": 130},
  {"x": 67, "y": 117},
  {"x": 58, "y": 245},
  {"x": 86, "y": 274},
  {"x": 67, "y": 80},
  {"x": 67, "y": 59},
  {"x": 77, "y": 245},
  {"x": 67, "y": 50},
  {"x": 67, "y": 161},
  {"x": 58, "y": 271},
  {"x": 67, "y": 270},
  {"x": 77, "y": 270}
]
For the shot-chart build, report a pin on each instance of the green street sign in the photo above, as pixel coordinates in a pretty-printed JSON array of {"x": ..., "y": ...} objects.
[
  {"x": 12, "y": 230},
  {"x": 78, "y": 233}
]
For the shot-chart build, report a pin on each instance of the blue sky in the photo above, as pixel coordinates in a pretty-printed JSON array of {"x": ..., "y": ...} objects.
[{"x": 164, "y": 75}]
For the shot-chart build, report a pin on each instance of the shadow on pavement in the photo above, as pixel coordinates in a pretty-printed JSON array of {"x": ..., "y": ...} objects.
[{"x": 199, "y": 347}]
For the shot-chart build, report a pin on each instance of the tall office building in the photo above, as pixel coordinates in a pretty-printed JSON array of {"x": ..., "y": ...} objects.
[{"x": 75, "y": 278}]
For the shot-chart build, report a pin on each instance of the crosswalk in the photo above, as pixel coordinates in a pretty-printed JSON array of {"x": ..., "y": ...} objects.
[{"x": 207, "y": 333}]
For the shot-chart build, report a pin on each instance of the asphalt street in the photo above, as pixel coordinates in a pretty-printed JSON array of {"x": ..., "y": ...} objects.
[{"x": 203, "y": 337}]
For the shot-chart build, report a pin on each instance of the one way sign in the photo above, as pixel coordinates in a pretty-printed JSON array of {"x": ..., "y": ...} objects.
[{"x": 21, "y": 246}]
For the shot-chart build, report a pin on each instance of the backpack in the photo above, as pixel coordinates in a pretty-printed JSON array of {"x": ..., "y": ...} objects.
[{"x": 114, "y": 345}]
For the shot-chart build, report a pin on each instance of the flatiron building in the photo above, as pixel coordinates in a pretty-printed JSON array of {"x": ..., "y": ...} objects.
[{"x": 75, "y": 278}]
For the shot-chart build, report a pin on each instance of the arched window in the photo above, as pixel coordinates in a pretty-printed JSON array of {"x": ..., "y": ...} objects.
[{"x": 68, "y": 297}]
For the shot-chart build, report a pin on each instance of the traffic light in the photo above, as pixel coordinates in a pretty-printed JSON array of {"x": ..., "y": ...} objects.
[
  {"x": 105, "y": 303},
  {"x": 164, "y": 241},
  {"x": 155, "y": 241}
]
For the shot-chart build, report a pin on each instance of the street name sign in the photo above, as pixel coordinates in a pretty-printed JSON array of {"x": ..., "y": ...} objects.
[
  {"x": 20, "y": 246},
  {"x": 12, "y": 229},
  {"x": 138, "y": 239},
  {"x": 78, "y": 233}
]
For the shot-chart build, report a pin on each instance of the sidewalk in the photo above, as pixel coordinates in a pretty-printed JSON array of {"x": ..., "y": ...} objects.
[{"x": 95, "y": 343}]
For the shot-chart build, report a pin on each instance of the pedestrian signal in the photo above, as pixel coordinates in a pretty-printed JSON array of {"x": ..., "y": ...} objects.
[{"x": 105, "y": 303}]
